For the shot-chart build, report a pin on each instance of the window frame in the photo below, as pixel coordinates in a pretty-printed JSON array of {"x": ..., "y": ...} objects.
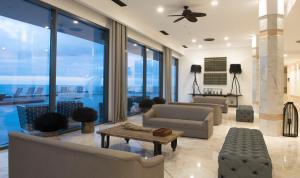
[
  {"x": 53, "y": 57},
  {"x": 144, "y": 53},
  {"x": 177, "y": 74},
  {"x": 54, "y": 13}
]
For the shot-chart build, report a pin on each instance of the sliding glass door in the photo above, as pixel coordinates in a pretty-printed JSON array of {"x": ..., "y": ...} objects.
[
  {"x": 174, "y": 79},
  {"x": 78, "y": 54},
  {"x": 135, "y": 76},
  {"x": 80, "y": 65},
  {"x": 144, "y": 75},
  {"x": 153, "y": 73},
  {"x": 24, "y": 62}
]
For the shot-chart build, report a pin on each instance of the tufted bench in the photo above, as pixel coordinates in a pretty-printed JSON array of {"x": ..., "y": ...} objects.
[
  {"x": 245, "y": 113},
  {"x": 244, "y": 155}
]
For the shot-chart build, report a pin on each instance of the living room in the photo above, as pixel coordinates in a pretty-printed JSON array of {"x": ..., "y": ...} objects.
[{"x": 130, "y": 88}]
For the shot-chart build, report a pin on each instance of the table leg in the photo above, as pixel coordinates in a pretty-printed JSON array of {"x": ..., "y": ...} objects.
[
  {"x": 127, "y": 140},
  {"x": 103, "y": 140},
  {"x": 157, "y": 148},
  {"x": 174, "y": 144},
  {"x": 107, "y": 141}
]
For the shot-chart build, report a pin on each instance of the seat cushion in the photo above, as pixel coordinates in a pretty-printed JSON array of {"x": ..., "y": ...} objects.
[
  {"x": 181, "y": 112},
  {"x": 173, "y": 123}
]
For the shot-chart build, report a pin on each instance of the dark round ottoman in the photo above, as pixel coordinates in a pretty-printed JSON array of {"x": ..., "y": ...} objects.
[
  {"x": 159, "y": 100},
  {"x": 87, "y": 117},
  {"x": 50, "y": 122}
]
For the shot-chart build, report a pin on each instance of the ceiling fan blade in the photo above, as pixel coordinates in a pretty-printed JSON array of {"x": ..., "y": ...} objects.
[
  {"x": 197, "y": 14},
  {"x": 192, "y": 19},
  {"x": 175, "y": 15},
  {"x": 177, "y": 20}
]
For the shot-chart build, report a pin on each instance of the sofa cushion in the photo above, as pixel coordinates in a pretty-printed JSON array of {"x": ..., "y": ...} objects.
[
  {"x": 159, "y": 122},
  {"x": 181, "y": 112}
]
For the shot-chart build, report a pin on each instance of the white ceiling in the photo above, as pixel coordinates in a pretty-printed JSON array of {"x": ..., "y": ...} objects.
[
  {"x": 226, "y": 19},
  {"x": 237, "y": 19}
]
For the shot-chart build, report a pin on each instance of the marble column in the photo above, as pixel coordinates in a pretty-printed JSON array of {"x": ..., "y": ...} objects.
[{"x": 271, "y": 19}]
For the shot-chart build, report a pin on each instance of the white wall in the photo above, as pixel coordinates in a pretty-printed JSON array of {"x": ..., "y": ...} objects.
[
  {"x": 81, "y": 11},
  {"x": 144, "y": 40},
  {"x": 241, "y": 56},
  {"x": 126, "y": 17},
  {"x": 294, "y": 79}
]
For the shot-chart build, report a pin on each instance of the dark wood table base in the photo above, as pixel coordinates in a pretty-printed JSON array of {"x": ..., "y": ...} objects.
[{"x": 105, "y": 139}]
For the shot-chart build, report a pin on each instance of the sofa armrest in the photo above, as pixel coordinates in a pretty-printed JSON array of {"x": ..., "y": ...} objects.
[
  {"x": 149, "y": 114},
  {"x": 152, "y": 162},
  {"x": 209, "y": 121}
]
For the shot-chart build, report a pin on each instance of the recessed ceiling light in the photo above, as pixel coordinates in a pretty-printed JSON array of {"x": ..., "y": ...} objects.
[
  {"x": 226, "y": 38},
  {"x": 134, "y": 44},
  {"x": 160, "y": 9},
  {"x": 198, "y": 164},
  {"x": 214, "y": 3},
  {"x": 75, "y": 22},
  {"x": 285, "y": 55},
  {"x": 200, "y": 46},
  {"x": 3, "y": 48},
  {"x": 46, "y": 27},
  {"x": 228, "y": 44},
  {"x": 194, "y": 40}
]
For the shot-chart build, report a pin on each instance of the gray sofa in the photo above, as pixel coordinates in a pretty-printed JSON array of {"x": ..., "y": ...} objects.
[
  {"x": 212, "y": 100},
  {"x": 217, "y": 110},
  {"x": 36, "y": 157},
  {"x": 192, "y": 120}
]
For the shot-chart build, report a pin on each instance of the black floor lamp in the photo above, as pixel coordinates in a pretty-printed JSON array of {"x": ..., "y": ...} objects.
[
  {"x": 196, "y": 69},
  {"x": 235, "y": 69}
]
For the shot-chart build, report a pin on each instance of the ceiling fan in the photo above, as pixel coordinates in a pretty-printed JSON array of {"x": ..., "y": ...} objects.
[{"x": 188, "y": 14}]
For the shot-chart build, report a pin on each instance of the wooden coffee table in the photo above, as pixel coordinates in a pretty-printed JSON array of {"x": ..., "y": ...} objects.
[{"x": 119, "y": 131}]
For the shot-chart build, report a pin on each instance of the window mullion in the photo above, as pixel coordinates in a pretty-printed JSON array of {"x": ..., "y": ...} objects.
[{"x": 53, "y": 52}]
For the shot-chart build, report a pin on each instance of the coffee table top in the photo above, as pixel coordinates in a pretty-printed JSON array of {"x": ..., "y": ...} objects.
[{"x": 119, "y": 131}]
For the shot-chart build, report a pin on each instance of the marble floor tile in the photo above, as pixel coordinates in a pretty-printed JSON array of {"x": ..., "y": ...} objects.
[{"x": 194, "y": 158}]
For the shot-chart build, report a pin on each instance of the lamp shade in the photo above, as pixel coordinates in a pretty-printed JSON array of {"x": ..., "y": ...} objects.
[
  {"x": 235, "y": 68},
  {"x": 196, "y": 68}
]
